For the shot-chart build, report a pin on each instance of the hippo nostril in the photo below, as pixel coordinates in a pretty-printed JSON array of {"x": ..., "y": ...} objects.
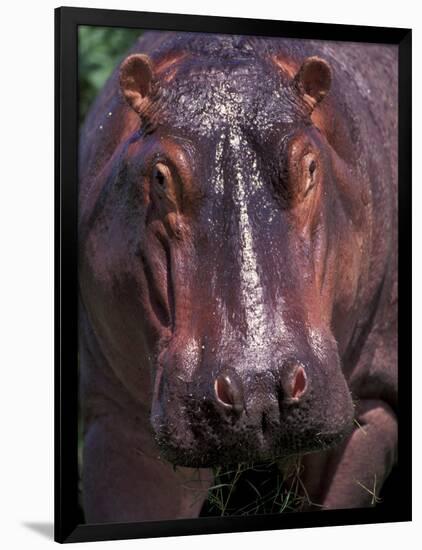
[
  {"x": 294, "y": 381},
  {"x": 228, "y": 393},
  {"x": 299, "y": 382},
  {"x": 223, "y": 390}
]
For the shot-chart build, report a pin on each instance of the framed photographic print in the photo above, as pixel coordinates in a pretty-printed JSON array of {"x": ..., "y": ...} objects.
[{"x": 232, "y": 274}]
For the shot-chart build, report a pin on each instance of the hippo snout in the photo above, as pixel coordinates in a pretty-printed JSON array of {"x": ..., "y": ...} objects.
[{"x": 255, "y": 414}]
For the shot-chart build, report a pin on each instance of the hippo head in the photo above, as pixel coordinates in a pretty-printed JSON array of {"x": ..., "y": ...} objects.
[{"x": 228, "y": 257}]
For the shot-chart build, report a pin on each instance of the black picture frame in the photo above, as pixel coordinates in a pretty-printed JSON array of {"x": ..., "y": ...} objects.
[{"x": 68, "y": 524}]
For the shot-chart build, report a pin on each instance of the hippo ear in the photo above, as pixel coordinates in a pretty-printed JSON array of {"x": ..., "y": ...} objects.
[
  {"x": 313, "y": 80},
  {"x": 136, "y": 75}
]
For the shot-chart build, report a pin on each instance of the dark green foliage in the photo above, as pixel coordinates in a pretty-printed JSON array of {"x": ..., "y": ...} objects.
[{"x": 100, "y": 50}]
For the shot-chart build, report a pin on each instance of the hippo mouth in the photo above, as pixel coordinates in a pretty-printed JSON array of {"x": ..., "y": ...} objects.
[
  {"x": 207, "y": 454},
  {"x": 248, "y": 444}
]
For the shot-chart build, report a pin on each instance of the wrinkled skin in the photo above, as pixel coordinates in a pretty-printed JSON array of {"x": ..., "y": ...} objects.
[{"x": 237, "y": 230}]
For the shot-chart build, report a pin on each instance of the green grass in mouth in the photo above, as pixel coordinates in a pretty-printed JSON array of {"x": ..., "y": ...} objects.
[{"x": 271, "y": 487}]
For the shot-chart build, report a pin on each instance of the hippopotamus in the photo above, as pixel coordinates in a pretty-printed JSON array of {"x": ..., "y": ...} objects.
[{"x": 238, "y": 270}]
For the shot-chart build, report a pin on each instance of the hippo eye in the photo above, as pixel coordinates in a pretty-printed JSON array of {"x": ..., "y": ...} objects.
[
  {"x": 160, "y": 175},
  {"x": 165, "y": 186},
  {"x": 310, "y": 174}
]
